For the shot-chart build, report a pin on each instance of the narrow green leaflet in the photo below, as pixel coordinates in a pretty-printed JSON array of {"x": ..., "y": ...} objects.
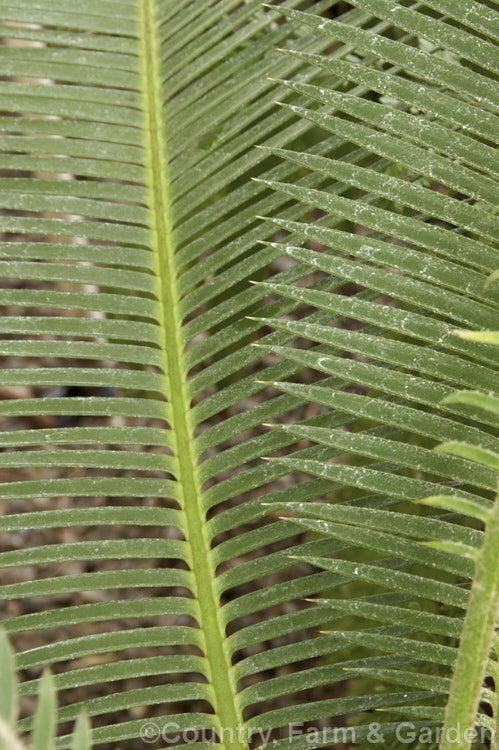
[
  {"x": 82, "y": 734},
  {"x": 8, "y": 685},
  {"x": 45, "y": 715}
]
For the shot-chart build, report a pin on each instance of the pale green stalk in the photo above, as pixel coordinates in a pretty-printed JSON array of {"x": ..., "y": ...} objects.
[
  {"x": 476, "y": 642},
  {"x": 203, "y": 570}
]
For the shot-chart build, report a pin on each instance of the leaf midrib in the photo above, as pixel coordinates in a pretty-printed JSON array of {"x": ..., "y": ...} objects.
[{"x": 219, "y": 672}]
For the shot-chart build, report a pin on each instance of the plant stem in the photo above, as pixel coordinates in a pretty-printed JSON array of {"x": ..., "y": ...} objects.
[
  {"x": 8, "y": 739},
  {"x": 211, "y": 628},
  {"x": 476, "y": 643}
]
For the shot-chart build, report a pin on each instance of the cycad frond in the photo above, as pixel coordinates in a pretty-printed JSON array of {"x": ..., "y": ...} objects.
[
  {"x": 422, "y": 245},
  {"x": 130, "y": 238}
]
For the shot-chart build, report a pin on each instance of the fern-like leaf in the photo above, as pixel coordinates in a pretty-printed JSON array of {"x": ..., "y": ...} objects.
[
  {"x": 130, "y": 240},
  {"x": 420, "y": 239}
]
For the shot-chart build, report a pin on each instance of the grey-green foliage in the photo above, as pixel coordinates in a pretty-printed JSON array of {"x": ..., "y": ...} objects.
[
  {"x": 128, "y": 131},
  {"x": 436, "y": 122},
  {"x": 149, "y": 222}
]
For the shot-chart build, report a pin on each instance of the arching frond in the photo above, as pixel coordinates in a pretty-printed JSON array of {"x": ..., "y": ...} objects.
[
  {"x": 130, "y": 238},
  {"x": 421, "y": 236}
]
